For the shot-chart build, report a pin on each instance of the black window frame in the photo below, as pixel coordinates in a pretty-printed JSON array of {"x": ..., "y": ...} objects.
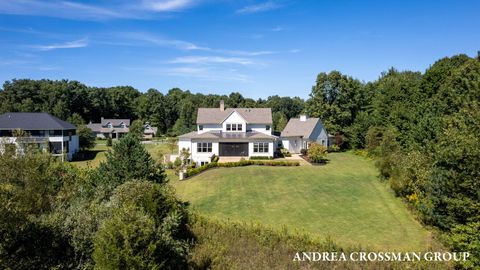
[
  {"x": 229, "y": 127},
  {"x": 261, "y": 147},
  {"x": 204, "y": 147},
  {"x": 200, "y": 127},
  {"x": 267, "y": 127}
]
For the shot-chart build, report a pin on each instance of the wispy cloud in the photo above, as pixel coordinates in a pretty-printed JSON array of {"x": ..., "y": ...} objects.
[
  {"x": 167, "y": 5},
  {"x": 266, "y": 6},
  {"x": 61, "y": 9},
  {"x": 211, "y": 59},
  {"x": 161, "y": 41},
  {"x": 66, "y": 45},
  {"x": 208, "y": 74},
  {"x": 277, "y": 29}
]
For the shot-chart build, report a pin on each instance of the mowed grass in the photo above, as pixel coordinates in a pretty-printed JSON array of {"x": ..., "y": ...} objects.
[
  {"x": 97, "y": 154},
  {"x": 343, "y": 200}
]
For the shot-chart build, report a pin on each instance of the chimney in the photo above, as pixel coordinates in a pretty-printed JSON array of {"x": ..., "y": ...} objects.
[
  {"x": 303, "y": 118},
  {"x": 222, "y": 105}
]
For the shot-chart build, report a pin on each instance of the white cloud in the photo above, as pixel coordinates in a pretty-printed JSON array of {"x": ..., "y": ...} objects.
[
  {"x": 66, "y": 45},
  {"x": 211, "y": 59},
  {"x": 277, "y": 29},
  {"x": 60, "y": 9},
  {"x": 266, "y": 6},
  {"x": 167, "y": 5},
  {"x": 161, "y": 41}
]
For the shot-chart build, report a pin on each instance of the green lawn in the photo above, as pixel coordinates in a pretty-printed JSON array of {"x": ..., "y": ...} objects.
[
  {"x": 344, "y": 200},
  {"x": 97, "y": 154}
]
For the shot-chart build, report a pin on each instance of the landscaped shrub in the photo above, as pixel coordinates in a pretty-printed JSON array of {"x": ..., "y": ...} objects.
[
  {"x": 285, "y": 152},
  {"x": 261, "y": 158},
  {"x": 194, "y": 171},
  {"x": 197, "y": 170},
  {"x": 316, "y": 153},
  {"x": 109, "y": 141},
  {"x": 214, "y": 158},
  {"x": 303, "y": 151},
  {"x": 334, "y": 148}
]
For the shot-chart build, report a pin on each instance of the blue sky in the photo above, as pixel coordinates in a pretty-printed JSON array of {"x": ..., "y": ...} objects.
[{"x": 258, "y": 48}]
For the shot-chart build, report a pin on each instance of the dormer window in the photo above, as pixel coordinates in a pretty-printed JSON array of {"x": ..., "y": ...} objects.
[
  {"x": 234, "y": 127},
  {"x": 200, "y": 127},
  {"x": 267, "y": 127}
]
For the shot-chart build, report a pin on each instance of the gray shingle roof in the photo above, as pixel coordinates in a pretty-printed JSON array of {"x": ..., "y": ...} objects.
[
  {"x": 95, "y": 127},
  {"x": 251, "y": 115},
  {"x": 115, "y": 122},
  {"x": 295, "y": 127},
  {"x": 32, "y": 121}
]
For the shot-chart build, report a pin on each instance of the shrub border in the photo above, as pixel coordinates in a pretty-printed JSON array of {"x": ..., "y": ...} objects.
[{"x": 194, "y": 171}]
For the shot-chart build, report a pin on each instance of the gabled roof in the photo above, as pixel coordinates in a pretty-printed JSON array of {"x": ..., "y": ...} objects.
[
  {"x": 95, "y": 127},
  {"x": 297, "y": 128},
  {"x": 32, "y": 121},
  {"x": 251, "y": 115},
  {"x": 115, "y": 122}
]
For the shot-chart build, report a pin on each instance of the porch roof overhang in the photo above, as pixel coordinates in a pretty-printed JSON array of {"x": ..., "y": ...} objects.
[{"x": 229, "y": 136}]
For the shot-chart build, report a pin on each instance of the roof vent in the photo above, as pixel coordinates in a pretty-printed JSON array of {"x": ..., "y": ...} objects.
[{"x": 303, "y": 118}]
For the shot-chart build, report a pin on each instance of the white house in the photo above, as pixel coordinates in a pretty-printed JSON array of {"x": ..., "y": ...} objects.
[
  {"x": 239, "y": 132},
  {"x": 299, "y": 132},
  {"x": 43, "y": 130}
]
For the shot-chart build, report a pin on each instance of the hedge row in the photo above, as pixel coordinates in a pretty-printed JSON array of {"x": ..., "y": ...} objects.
[
  {"x": 194, "y": 171},
  {"x": 260, "y": 158}
]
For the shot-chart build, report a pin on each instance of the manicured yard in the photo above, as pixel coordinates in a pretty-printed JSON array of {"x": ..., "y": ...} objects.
[
  {"x": 344, "y": 200},
  {"x": 97, "y": 154}
]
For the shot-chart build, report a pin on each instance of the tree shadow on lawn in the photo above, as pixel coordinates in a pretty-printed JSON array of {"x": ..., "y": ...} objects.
[{"x": 87, "y": 155}]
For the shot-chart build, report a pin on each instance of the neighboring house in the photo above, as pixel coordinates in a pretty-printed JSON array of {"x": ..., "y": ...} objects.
[
  {"x": 110, "y": 128},
  {"x": 239, "y": 132},
  {"x": 47, "y": 132},
  {"x": 149, "y": 131},
  {"x": 299, "y": 132}
]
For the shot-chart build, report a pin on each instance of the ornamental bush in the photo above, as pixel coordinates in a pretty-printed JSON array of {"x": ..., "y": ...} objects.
[{"x": 317, "y": 153}]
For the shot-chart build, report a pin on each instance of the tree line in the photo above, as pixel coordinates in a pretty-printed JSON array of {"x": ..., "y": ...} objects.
[
  {"x": 422, "y": 128},
  {"x": 173, "y": 113}
]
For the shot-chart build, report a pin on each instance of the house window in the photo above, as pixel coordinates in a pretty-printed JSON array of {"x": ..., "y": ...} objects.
[
  {"x": 204, "y": 147},
  {"x": 200, "y": 127},
  {"x": 234, "y": 127},
  {"x": 323, "y": 142},
  {"x": 260, "y": 147},
  {"x": 267, "y": 127}
]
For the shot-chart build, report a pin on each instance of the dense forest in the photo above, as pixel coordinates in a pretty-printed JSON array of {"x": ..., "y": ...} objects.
[
  {"x": 173, "y": 113},
  {"x": 422, "y": 128}
]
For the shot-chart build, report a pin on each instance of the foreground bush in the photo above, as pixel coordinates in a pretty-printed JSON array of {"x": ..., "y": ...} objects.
[{"x": 232, "y": 245}]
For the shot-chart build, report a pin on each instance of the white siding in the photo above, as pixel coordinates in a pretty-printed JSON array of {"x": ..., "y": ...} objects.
[
  {"x": 260, "y": 128},
  {"x": 199, "y": 157},
  {"x": 319, "y": 135},
  {"x": 270, "y": 149},
  {"x": 234, "y": 118},
  {"x": 293, "y": 144},
  {"x": 209, "y": 127}
]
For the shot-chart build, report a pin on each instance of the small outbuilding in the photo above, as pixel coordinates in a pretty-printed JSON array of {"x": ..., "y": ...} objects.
[{"x": 300, "y": 132}]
